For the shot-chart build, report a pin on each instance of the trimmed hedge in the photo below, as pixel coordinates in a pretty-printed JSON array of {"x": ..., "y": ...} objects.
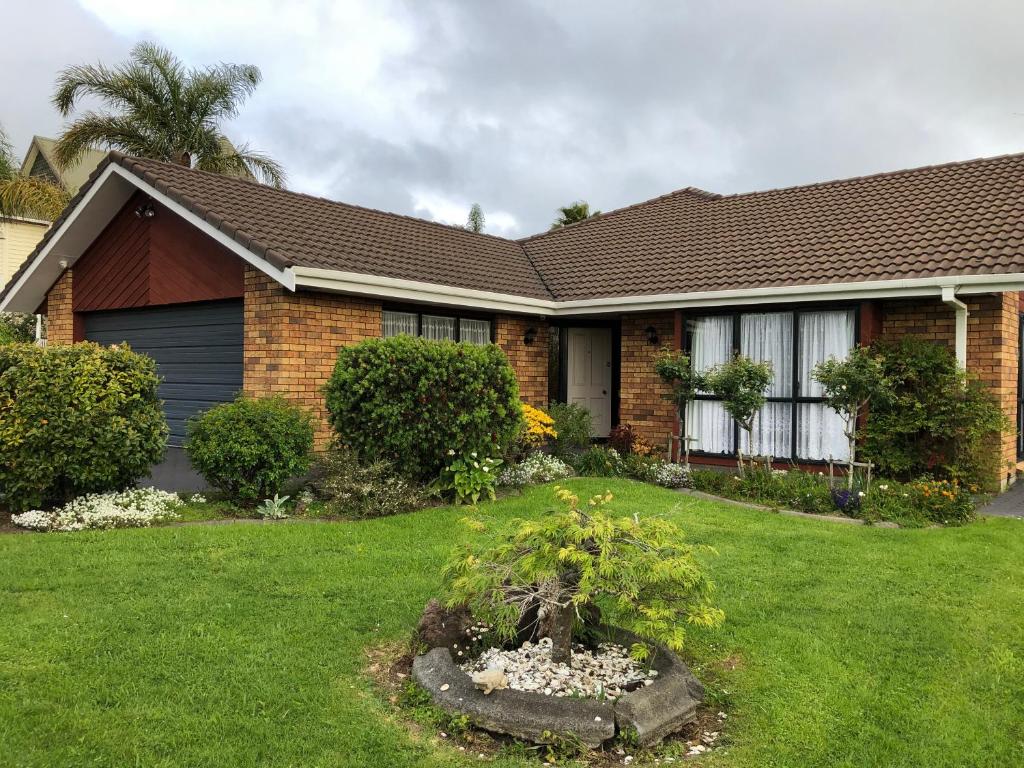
[
  {"x": 249, "y": 448},
  {"x": 74, "y": 420},
  {"x": 411, "y": 401}
]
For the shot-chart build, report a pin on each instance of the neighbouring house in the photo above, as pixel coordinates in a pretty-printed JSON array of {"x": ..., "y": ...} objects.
[
  {"x": 235, "y": 286},
  {"x": 19, "y": 236}
]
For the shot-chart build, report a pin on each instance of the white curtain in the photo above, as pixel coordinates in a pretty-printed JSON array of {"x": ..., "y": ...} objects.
[
  {"x": 820, "y": 430},
  {"x": 768, "y": 337},
  {"x": 438, "y": 328},
  {"x": 399, "y": 322},
  {"x": 706, "y": 421},
  {"x": 475, "y": 331}
]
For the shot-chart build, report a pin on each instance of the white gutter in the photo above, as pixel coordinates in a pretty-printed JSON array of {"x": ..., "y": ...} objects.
[
  {"x": 950, "y": 300},
  {"x": 432, "y": 293}
]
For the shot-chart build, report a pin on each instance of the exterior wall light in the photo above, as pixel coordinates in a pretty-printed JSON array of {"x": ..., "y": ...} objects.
[
  {"x": 652, "y": 335},
  {"x": 145, "y": 211},
  {"x": 530, "y": 336}
]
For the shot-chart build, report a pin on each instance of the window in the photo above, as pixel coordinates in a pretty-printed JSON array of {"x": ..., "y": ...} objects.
[
  {"x": 437, "y": 327},
  {"x": 794, "y": 423}
]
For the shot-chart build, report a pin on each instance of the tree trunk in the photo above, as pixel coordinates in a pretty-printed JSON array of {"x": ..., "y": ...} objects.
[
  {"x": 852, "y": 437},
  {"x": 560, "y": 631}
]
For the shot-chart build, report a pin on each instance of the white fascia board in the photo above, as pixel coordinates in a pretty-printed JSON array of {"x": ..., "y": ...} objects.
[
  {"x": 283, "y": 276},
  {"x": 432, "y": 293},
  {"x": 413, "y": 290},
  {"x": 66, "y": 244}
]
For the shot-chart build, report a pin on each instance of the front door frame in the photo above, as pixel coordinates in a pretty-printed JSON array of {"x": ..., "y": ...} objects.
[{"x": 563, "y": 324}]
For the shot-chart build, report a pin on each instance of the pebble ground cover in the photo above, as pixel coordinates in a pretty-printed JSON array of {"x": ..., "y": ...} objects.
[{"x": 246, "y": 645}]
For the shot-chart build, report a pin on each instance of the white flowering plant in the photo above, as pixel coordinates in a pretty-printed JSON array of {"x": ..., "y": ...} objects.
[
  {"x": 470, "y": 477},
  {"x": 671, "y": 475},
  {"x": 535, "y": 468},
  {"x": 134, "y": 508}
]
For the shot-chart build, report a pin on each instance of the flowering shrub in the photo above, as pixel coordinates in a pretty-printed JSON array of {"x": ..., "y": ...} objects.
[
  {"x": 671, "y": 475},
  {"x": 625, "y": 439},
  {"x": 539, "y": 426},
  {"x": 136, "y": 508},
  {"x": 535, "y": 468},
  {"x": 351, "y": 488},
  {"x": 946, "y": 502},
  {"x": 470, "y": 477}
]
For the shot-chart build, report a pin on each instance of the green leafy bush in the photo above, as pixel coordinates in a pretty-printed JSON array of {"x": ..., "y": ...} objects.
[
  {"x": 410, "y": 400},
  {"x": 573, "y": 426},
  {"x": 597, "y": 461},
  {"x": 248, "y": 448},
  {"x": 17, "y": 329},
  {"x": 944, "y": 502},
  {"x": 470, "y": 477},
  {"x": 350, "y": 488},
  {"x": 937, "y": 422},
  {"x": 75, "y": 419},
  {"x": 635, "y": 569}
]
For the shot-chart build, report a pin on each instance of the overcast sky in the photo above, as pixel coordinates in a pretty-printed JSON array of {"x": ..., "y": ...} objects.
[{"x": 426, "y": 107}]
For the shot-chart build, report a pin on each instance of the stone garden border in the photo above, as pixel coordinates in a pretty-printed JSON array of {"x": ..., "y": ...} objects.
[{"x": 652, "y": 712}]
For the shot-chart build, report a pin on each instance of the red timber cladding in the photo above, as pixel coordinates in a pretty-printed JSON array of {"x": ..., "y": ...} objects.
[
  {"x": 641, "y": 391},
  {"x": 143, "y": 262}
]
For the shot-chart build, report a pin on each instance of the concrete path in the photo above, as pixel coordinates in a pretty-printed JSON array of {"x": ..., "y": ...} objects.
[{"x": 1009, "y": 504}]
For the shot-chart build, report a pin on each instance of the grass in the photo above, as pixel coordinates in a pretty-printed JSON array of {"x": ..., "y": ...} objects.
[{"x": 245, "y": 645}]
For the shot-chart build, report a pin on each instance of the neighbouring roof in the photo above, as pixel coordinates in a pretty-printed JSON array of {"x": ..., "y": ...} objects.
[
  {"x": 72, "y": 177},
  {"x": 957, "y": 219}
]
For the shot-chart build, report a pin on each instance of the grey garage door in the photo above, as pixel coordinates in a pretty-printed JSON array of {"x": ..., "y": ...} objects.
[{"x": 197, "y": 347}]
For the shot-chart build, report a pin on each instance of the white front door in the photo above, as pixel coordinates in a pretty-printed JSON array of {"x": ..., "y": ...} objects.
[{"x": 590, "y": 375}]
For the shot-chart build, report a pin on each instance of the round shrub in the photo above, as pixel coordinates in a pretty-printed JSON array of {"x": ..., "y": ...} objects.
[
  {"x": 248, "y": 448},
  {"x": 75, "y": 419},
  {"x": 410, "y": 401}
]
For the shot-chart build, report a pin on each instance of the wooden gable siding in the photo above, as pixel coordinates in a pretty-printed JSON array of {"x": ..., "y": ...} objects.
[{"x": 140, "y": 262}]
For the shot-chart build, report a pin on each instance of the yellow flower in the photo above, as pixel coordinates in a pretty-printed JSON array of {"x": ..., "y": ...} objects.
[{"x": 539, "y": 426}]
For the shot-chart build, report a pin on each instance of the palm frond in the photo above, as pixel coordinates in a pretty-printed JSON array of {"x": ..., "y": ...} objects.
[
  {"x": 32, "y": 197},
  {"x": 95, "y": 129},
  {"x": 244, "y": 162}
]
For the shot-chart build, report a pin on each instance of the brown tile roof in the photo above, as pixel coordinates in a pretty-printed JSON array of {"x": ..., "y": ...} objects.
[{"x": 958, "y": 218}]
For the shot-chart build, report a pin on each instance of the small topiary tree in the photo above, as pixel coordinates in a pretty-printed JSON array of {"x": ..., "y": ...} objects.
[
  {"x": 75, "y": 419},
  {"x": 411, "y": 401},
  {"x": 849, "y": 386},
  {"x": 636, "y": 571},
  {"x": 248, "y": 448},
  {"x": 674, "y": 368},
  {"x": 741, "y": 385}
]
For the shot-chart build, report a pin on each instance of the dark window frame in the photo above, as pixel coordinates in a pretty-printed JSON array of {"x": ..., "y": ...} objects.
[
  {"x": 795, "y": 399},
  {"x": 419, "y": 311}
]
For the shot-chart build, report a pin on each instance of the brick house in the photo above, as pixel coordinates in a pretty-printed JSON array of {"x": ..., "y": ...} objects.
[{"x": 235, "y": 286}]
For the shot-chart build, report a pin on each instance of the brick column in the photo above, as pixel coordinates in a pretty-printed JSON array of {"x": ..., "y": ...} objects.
[
  {"x": 641, "y": 401},
  {"x": 59, "y": 313},
  {"x": 529, "y": 361}
]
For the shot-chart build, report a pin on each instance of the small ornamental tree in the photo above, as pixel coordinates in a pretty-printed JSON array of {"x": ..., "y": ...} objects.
[
  {"x": 675, "y": 369},
  {"x": 741, "y": 385},
  {"x": 849, "y": 386},
  {"x": 637, "y": 571}
]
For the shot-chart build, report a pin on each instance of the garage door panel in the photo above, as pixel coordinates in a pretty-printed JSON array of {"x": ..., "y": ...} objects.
[{"x": 198, "y": 350}]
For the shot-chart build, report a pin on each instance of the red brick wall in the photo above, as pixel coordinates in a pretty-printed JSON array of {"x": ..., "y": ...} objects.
[
  {"x": 59, "y": 316},
  {"x": 640, "y": 390},
  {"x": 292, "y": 340},
  {"x": 529, "y": 361},
  {"x": 993, "y": 328}
]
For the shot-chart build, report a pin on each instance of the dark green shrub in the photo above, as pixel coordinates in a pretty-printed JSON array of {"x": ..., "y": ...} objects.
[
  {"x": 247, "y": 449},
  {"x": 597, "y": 461},
  {"x": 937, "y": 421},
  {"x": 75, "y": 419},
  {"x": 410, "y": 401},
  {"x": 350, "y": 488},
  {"x": 574, "y": 427}
]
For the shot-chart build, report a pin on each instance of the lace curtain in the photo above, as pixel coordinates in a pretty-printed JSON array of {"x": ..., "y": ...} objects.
[
  {"x": 475, "y": 331},
  {"x": 438, "y": 328},
  {"x": 399, "y": 322},
  {"x": 768, "y": 337},
  {"x": 823, "y": 335},
  {"x": 706, "y": 420}
]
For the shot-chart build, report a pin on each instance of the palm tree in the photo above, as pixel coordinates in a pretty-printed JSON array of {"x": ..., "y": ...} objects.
[
  {"x": 572, "y": 213},
  {"x": 161, "y": 110},
  {"x": 29, "y": 196}
]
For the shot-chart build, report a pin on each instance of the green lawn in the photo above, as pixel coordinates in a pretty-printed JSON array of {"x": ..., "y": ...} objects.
[{"x": 243, "y": 645}]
